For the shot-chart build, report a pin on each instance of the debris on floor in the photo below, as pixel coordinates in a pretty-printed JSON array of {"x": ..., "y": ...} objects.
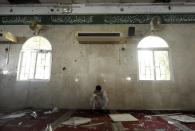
[
  {"x": 34, "y": 114},
  {"x": 180, "y": 126},
  {"x": 122, "y": 117},
  {"x": 118, "y": 126},
  {"x": 92, "y": 120},
  {"x": 20, "y": 123},
  {"x": 48, "y": 128},
  {"x": 183, "y": 118},
  {"x": 94, "y": 124},
  {"x": 164, "y": 114},
  {"x": 13, "y": 115},
  {"x": 58, "y": 122},
  {"x": 54, "y": 110},
  {"x": 76, "y": 121}
]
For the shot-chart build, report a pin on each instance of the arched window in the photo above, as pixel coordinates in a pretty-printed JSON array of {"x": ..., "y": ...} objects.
[
  {"x": 153, "y": 59},
  {"x": 35, "y": 59}
]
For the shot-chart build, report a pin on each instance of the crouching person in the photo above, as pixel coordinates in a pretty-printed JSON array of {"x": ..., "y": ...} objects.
[{"x": 99, "y": 99}]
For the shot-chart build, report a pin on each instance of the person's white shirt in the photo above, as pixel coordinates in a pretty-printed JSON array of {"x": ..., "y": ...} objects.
[{"x": 99, "y": 99}]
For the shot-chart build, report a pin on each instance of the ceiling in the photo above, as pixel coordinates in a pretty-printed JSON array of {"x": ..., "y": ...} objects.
[{"x": 86, "y": 1}]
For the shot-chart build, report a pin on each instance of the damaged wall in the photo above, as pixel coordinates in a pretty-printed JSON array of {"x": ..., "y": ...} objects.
[{"x": 104, "y": 64}]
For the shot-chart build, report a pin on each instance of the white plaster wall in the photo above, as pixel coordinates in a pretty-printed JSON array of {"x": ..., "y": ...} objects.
[{"x": 104, "y": 64}]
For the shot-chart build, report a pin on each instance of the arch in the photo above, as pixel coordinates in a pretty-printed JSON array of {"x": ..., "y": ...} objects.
[
  {"x": 37, "y": 43},
  {"x": 35, "y": 59},
  {"x": 152, "y": 42}
]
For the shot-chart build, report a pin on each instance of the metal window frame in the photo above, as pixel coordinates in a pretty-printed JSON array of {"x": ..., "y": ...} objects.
[
  {"x": 35, "y": 66},
  {"x": 154, "y": 69}
]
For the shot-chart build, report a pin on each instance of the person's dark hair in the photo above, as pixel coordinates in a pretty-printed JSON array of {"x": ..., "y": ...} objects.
[{"x": 98, "y": 88}]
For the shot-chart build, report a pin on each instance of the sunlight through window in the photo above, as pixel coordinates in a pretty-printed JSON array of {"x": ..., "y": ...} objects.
[
  {"x": 153, "y": 59},
  {"x": 35, "y": 59}
]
